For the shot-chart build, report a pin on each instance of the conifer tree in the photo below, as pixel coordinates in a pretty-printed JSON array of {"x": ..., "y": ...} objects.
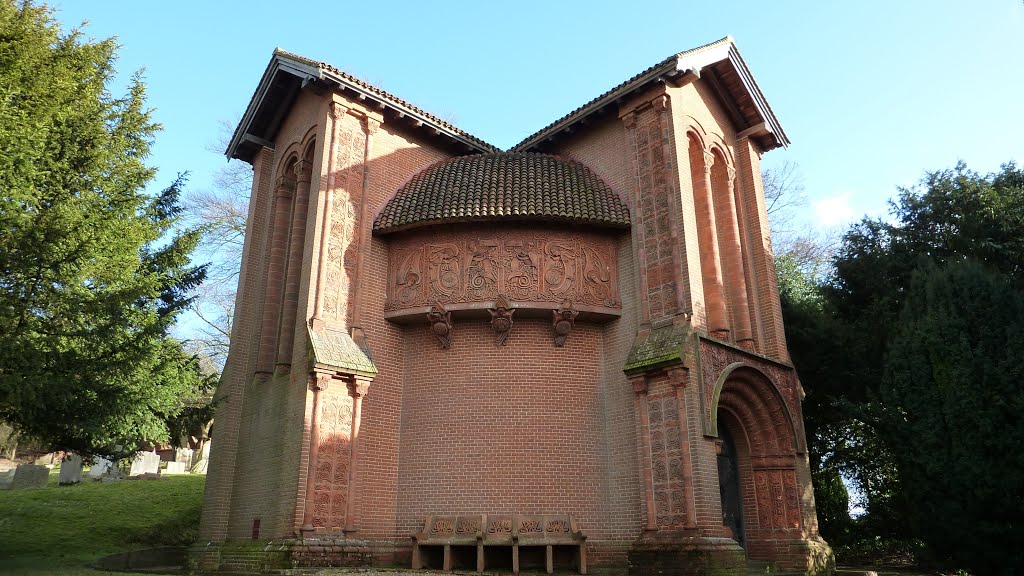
[{"x": 93, "y": 270}]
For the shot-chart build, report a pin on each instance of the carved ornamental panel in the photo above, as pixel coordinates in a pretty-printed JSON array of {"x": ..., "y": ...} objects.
[
  {"x": 778, "y": 502},
  {"x": 330, "y": 488},
  {"x": 530, "y": 268},
  {"x": 667, "y": 462}
]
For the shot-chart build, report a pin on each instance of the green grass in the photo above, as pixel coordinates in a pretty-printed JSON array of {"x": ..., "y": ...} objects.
[{"x": 61, "y": 529}]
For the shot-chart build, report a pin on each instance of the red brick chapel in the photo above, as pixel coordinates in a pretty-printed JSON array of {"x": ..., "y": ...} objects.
[{"x": 567, "y": 356}]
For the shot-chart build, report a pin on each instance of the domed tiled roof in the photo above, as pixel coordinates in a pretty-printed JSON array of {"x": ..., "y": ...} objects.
[{"x": 503, "y": 186}]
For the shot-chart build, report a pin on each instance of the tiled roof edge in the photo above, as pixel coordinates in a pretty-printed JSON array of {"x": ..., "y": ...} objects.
[
  {"x": 663, "y": 67},
  {"x": 306, "y": 67},
  {"x": 349, "y": 81}
]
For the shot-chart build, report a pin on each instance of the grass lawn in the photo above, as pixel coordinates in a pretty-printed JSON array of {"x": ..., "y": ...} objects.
[{"x": 61, "y": 529}]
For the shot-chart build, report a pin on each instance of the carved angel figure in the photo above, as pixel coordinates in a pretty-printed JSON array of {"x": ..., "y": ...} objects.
[
  {"x": 501, "y": 319},
  {"x": 562, "y": 321},
  {"x": 441, "y": 325}
]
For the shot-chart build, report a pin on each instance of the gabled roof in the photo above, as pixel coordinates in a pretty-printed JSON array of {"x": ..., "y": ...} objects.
[
  {"x": 504, "y": 186},
  {"x": 720, "y": 63},
  {"x": 288, "y": 73}
]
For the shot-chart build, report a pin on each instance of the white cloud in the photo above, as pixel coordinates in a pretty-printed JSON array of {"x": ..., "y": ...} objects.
[{"x": 833, "y": 211}]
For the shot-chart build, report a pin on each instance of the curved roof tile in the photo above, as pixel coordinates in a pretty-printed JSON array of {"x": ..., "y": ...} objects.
[{"x": 517, "y": 186}]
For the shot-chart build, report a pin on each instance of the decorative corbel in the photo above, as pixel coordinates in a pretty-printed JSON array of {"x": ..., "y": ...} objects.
[
  {"x": 639, "y": 383},
  {"x": 441, "y": 325},
  {"x": 562, "y": 321},
  {"x": 678, "y": 377},
  {"x": 501, "y": 319}
]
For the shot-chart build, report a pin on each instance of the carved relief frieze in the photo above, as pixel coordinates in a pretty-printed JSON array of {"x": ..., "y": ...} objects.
[
  {"x": 525, "y": 266},
  {"x": 716, "y": 357},
  {"x": 330, "y": 486}
]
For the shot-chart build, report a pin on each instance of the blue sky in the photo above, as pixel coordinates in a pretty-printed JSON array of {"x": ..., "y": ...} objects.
[{"x": 871, "y": 94}]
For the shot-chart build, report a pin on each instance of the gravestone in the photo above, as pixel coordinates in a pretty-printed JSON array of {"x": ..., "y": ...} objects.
[
  {"x": 145, "y": 463},
  {"x": 203, "y": 461},
  {"x": 71, "y": 469},
  {"x": 100, "y": 467},
  {"x": 49, "y": 458},
  {"x": 176, "y": 468},
  {"x": 30, "y": 476},
  {"x": 184, "y": 456}
]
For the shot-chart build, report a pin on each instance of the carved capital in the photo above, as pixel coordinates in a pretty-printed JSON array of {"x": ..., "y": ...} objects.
[
  {"x": 501, "y": 319},
  {"x": 629, "y": 120},
  {"x": 303, "y": 171},
  {"x": 320, "y": 381},
  {"x": 337, "y": 111},
  {"x": 562, "y": 322},
  {"x": 358, "y": 387},
  {"x": 371, "y": 125},
  {"x": 440, "y": 325},
  {"x": 284, "y": 185},
  {"x": 678, "y": 377},
  {"x": 731, "y": 173},
  {"x": 660, "y": 102},
  {"x": 709, "y": 160},
  {"x": 639, "y": 384}
]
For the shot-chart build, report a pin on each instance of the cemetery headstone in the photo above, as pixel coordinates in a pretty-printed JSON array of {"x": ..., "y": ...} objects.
[
  {"x": 184, "y": 456},
  {"x": 71, "y": 469},
  {"x": 145, "y": 463},
  {"x": 176, "y": 468},
  {"x": 202, "y": 462},
  {"x": 30, "y": 476},
  {"x": 100, "y": 467}
]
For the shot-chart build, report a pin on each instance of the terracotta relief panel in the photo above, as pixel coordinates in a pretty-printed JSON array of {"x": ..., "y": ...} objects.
[
  {"x": 524, "y": 266},
  {"x": 654, "y": 216},
  {"x": 342, "y": 247},
  {"x": 330, "y": 488},
  {"x": 715, "y": 358},
  {"x": 667, "y": 462},
  {"x": 778, "y": 502}
]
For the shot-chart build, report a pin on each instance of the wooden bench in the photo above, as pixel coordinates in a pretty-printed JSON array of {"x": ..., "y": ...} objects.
[{"x": 513, "y": 530}]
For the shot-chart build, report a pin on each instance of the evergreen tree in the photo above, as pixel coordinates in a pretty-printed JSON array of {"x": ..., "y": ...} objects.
[
  {"x": 953, "y": 393},
  {"x": 92, "y": 272}
]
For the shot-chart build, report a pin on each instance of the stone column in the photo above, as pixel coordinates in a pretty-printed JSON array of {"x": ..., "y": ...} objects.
[
  {"x": 293, "y": 266},
  {"x": 710, "y": 261},
  {"x": 278, "y": 247},
  {"x": 732, "y": 256},
  {"x": 357, "y": 388},
  {"x": 318, "y": 382},
  {"x": 370, "y": 126},
  {"x": 678, "y": 378},
  {"x": 640, "y": 388}
]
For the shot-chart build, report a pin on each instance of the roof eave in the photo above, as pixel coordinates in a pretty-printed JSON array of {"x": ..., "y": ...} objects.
[
  {"x": 404, "y": 111},
  {"x": 768, "y": 117},
  {"x": 306, "y": 72},
  {"x": 659, "y": 71},
  {"x": 676, "y": 67},
  {"x": 277, "y": 65}
]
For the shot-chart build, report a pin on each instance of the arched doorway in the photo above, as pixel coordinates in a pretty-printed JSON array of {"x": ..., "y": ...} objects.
[
  {"x": 757, "y": 461},
  {"x": 729, "y": 484}
]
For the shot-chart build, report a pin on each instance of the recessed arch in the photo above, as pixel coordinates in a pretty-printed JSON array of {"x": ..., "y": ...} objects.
[{"x": 758, "y": 390}]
